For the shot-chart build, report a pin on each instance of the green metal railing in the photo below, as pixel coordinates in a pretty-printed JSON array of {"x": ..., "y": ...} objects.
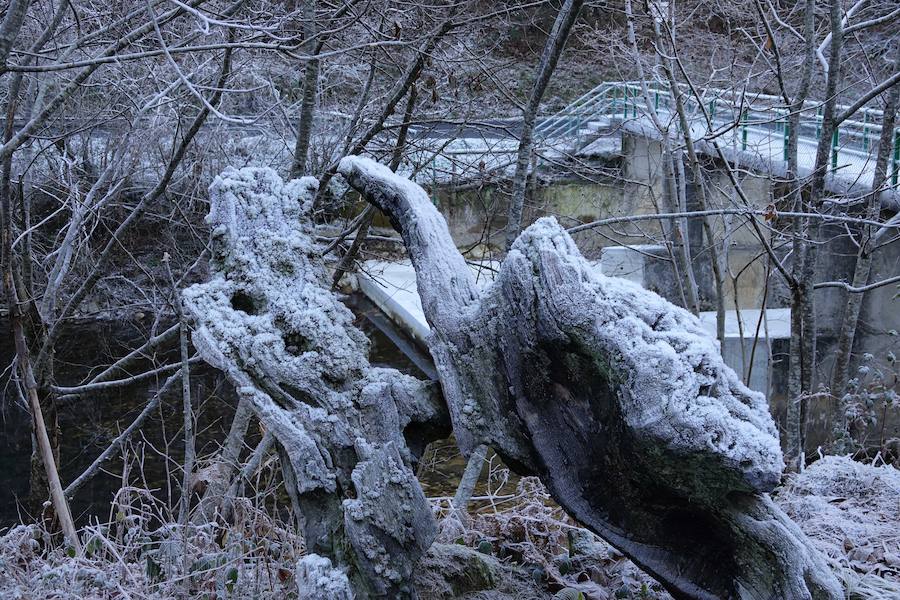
[{"x": 756, "y": 123}]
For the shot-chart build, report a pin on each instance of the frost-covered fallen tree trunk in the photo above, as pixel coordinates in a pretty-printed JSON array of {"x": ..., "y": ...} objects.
[
  {"x": 615, "y": 398},
  {"x": 267, "y": 319}
]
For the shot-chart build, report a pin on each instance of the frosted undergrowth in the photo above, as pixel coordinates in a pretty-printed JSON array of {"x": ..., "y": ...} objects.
[
  {"x": 532, "y": 533},
  {"x": 851, "y": 512},
  {"x": 136, "y": 556}
]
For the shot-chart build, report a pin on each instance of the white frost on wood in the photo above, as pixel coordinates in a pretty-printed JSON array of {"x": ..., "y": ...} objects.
[
  {"x": 616, "y": 399},
  {"x": 442, "y": 270},
  {"x": 678, "y": 390},
  {"x": 269, "y": 321},
  {"x": 317, "y": 579},
  {"x": 682, "y": 394},
  {"x": 263, "y": 249}
]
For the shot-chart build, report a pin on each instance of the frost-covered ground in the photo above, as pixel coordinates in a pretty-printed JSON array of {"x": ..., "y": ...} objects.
[
  {"x": 851, "y": 511},
  {"x": 516, "y": 546}
]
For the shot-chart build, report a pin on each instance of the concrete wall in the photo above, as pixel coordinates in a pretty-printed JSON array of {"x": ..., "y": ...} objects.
[
  {"x": 480, "y": 215},
  {"x": 878, "y": 332},
  {"x": 746, "y": 259},
  {"x": 642, "y": 170}
]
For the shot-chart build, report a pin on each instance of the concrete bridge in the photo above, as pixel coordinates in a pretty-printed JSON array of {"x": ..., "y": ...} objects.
[
  {"x": 602, "y": 157},
  {"x": 750, "y": 129},
  {"x": 609, "y": 128}
]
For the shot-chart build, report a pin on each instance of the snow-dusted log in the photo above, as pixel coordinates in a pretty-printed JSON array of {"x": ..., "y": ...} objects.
[
  {"x": 615, "y": 398},
  {"x": 267, "y": 319}
]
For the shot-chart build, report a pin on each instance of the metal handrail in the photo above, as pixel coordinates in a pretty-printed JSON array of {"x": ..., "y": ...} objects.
[{"x": 855, "y": 138}]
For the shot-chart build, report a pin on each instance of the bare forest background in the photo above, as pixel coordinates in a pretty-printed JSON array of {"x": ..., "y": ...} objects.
[{"x": 117, "y": 118}]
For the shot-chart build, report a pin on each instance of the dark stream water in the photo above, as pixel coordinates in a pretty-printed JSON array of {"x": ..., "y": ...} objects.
[{"x": 89, "y": 424}]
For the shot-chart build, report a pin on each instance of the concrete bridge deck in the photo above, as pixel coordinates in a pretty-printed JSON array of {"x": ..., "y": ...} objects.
[{"x": 751, "y": 130}]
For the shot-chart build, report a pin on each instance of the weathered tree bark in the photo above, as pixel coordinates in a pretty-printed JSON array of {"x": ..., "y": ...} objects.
[
  {"x": 267, "y": 319},
  {"x": 310, "y": 85},
  {"x": 800, "y": 358},
  {"x": 615, "y": 398},
  {"x": 803, "y": 298}
]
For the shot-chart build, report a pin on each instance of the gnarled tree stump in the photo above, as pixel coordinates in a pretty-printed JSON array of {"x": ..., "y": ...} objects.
[
  {"x": 615, "y": 398},
  {"x": 268, "y": 320}
]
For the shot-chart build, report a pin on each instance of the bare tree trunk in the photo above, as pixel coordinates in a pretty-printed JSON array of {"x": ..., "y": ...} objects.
[
  {"x": 712, "y": 245},
  {"x": 338, "y": 422},
  {"x": 28, "y": 316},
  {"x": 9, "y": 28},
  {"x": 803, "y": 322},
  {"x": 60, "y": 504},
  {"x": 190, "y": 450},
  {"x": 673, "y": 190},
  {"x": 252, "y": 465},
  {"x": 803, "y": 310},
  {"x": 310, "y": 85},
  {"x": 549, "y": 57},
  {"x": 682, "y": 250},
  {"x": 796, "y": 401},
  {"x": 850, "y": 320},
  {"x": 16, "y": 317}
]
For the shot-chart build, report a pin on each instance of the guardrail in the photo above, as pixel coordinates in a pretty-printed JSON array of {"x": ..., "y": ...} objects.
[{"x": 749, "y": 122}]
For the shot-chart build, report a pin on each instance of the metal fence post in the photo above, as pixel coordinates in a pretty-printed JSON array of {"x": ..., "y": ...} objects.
[
  {"x": 834, "y": 147},
  {"x": 656, "y": 99},
  {"x": 744, "y": 131}
]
